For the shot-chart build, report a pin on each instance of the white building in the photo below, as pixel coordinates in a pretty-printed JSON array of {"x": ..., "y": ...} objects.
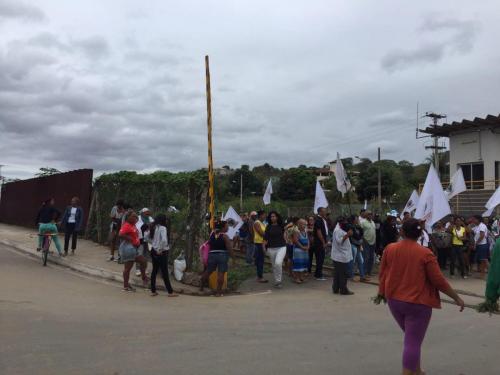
[
  {"x": 323, "y": 174},
  {"x": 474, "y": 147}
]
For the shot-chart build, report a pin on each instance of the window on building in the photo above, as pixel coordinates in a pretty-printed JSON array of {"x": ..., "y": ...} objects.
[{"x": 473, "y": 175}]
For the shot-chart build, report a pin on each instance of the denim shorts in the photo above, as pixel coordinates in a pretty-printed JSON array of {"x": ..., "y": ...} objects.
[
  {"x": 217, "y": 261},
  {"x": 128, "y": 252},
  {"x": 482, "y": 252}
]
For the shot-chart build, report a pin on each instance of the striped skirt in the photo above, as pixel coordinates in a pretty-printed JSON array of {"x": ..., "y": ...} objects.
[{"x": 300, "y": 260}]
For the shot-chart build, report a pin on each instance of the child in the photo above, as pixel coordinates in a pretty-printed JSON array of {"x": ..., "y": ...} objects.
[{"x": 50, "y": 228}]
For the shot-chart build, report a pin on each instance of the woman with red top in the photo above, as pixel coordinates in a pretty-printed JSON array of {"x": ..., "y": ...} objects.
[
  {"x": 129, "y": 235},
  {"x": 410, "y": 281}
]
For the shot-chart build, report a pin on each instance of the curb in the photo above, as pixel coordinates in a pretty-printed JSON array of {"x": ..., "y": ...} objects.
[{"x": 94, "y": 271}]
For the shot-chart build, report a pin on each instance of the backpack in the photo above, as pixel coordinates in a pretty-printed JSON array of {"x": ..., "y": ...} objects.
[
  {"x": 442, "y": 240},
  {"x": 204, "y": 250}
]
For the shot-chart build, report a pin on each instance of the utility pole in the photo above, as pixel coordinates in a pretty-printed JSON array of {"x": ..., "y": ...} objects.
[
  {"x": 241, "y": 192},
  {"x": 211, "y": 192},
  {"x": 1, "y": 181},
  {"x": 379, "y": 185},
  {"x": 435, "y": 118}
]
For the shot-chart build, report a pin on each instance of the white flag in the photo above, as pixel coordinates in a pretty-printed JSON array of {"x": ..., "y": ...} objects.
[
  {"x": 494, "y": 200},
  {"x": 320, "y": 198},
  {"x": 268, "y": 193},
  {"x": 234, "y": 220},
  {"x": 343, "y": 184},
  {"x": 487, "y": 213},
  {"x": 412, "y": 203},
  {"x": 433, "y": 204},
  {"x": 457, "y": 184}
]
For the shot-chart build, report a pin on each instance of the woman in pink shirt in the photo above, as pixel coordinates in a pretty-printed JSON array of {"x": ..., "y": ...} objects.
[{"x": 129, "y": 235}]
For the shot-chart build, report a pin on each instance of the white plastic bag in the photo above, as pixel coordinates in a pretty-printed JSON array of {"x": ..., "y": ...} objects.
[{"x": 179, "y": 267}]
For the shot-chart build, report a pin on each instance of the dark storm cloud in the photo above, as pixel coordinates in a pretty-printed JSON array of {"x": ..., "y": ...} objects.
[
  {"x": 99, "y": 117},
  {"x": 124, "y": 88},
  {"x": 16, "y": 9},
  {"x": 461, "y": 40}
]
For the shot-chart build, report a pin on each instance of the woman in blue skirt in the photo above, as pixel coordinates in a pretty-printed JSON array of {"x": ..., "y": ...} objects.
[{"x": 300, "y": 252}]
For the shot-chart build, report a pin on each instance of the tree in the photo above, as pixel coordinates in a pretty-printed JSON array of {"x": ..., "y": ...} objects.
[
  {"x": 367, "y": 182},
  {"x": 46, "y": 171},
  {"x": 297, "y": 184},
  {"x": 266, "y": 171}
]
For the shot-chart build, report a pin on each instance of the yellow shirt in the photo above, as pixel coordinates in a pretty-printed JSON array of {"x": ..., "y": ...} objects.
[
  {"x": 257, "y": 238},
  {"x": 456, "y": 234}
]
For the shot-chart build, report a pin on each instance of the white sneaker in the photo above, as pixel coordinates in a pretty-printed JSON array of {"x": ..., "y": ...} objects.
[
  {"x": 320, "y": 278},
  {"x": 137, "y": 273}
]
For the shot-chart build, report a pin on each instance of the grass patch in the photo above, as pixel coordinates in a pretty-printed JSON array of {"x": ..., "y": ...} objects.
[{"x": 240, "y": 271}]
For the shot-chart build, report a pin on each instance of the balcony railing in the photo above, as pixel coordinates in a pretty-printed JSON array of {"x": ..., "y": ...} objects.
[{"x": 472, "y": 185}]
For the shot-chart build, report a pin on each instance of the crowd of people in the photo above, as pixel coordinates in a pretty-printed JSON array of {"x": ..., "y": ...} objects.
[
  {"x": 295, "y": 243},
  {"x": 140, "y": 239},
  {"x": 292, "y": 245}
]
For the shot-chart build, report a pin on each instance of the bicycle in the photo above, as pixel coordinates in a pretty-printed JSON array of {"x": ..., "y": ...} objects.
[{"x": 47, "y": 240}]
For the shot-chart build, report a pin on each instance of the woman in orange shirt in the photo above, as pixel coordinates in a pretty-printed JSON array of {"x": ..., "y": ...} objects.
[{"x": 410, "y": 281}]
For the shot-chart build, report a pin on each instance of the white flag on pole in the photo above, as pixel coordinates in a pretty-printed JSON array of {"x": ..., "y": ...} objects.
[
  {"x": 268, "y": 193},
  {"x": 234, "y": 220},
  {"x": 488, "y": 212},
  {"x": 412, "y": 203},
  {"x": 433, "y": 204},
  {"x": 494, "y": 200},
  {"x": 457, "y": 184},
  {"x": 320, "y": 198},
  {"x": 343, "y": 184}
]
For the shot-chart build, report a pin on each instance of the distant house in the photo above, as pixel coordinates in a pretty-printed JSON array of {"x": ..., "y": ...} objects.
[
  {"x": 323, "y": 174},
  {"x": 474, "y": 147},
  {"x": 224, "y": 171}
]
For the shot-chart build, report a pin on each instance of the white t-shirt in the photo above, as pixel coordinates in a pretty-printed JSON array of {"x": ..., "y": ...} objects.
[
  {"x": 477, "y": 233},
  {"x": 72, "y": 215},
  {"x": 341, "y": 251}
]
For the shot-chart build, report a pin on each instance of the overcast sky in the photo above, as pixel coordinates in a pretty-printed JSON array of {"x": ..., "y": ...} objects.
[{"x": 116, "y": 84}]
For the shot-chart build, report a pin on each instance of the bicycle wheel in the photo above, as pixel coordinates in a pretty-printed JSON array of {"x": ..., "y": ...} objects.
[{"x": 45, "y": 250}]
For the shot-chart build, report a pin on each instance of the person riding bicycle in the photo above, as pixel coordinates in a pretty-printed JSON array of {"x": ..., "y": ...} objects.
[{"x": 50, "y": 228}]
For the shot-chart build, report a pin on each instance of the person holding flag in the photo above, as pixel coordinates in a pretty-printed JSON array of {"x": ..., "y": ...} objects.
[{"x": 411, "y": 206}]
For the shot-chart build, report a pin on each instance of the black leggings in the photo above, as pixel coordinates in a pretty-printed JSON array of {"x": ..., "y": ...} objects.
[
  {"x": 160, "y": 262},
  {"x": 457, "y": 256},
  {"x": 70, "y": 232}
]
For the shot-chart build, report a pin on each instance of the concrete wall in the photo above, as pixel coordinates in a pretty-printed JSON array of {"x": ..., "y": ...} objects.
[{"x": 476, "y": 146}]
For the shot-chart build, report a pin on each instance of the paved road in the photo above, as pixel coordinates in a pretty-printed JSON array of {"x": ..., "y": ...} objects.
[{"x": 53, "y": 321}]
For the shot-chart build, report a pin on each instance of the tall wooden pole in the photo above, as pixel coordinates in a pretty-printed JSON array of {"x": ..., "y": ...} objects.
[
  {"x": 211, "y": 192},
  {"x": 241, "y": 192},
  {"x": 379, "y": 185}
]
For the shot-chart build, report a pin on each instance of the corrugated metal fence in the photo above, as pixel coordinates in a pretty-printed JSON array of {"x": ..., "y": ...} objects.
[{"x": 21, "y": 200}]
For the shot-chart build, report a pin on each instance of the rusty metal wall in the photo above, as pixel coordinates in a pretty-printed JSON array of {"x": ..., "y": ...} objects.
[{"x": 21, "y": 200}]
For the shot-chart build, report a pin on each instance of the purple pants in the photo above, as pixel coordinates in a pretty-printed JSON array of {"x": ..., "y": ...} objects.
[{"x": 413, "y": 320}]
